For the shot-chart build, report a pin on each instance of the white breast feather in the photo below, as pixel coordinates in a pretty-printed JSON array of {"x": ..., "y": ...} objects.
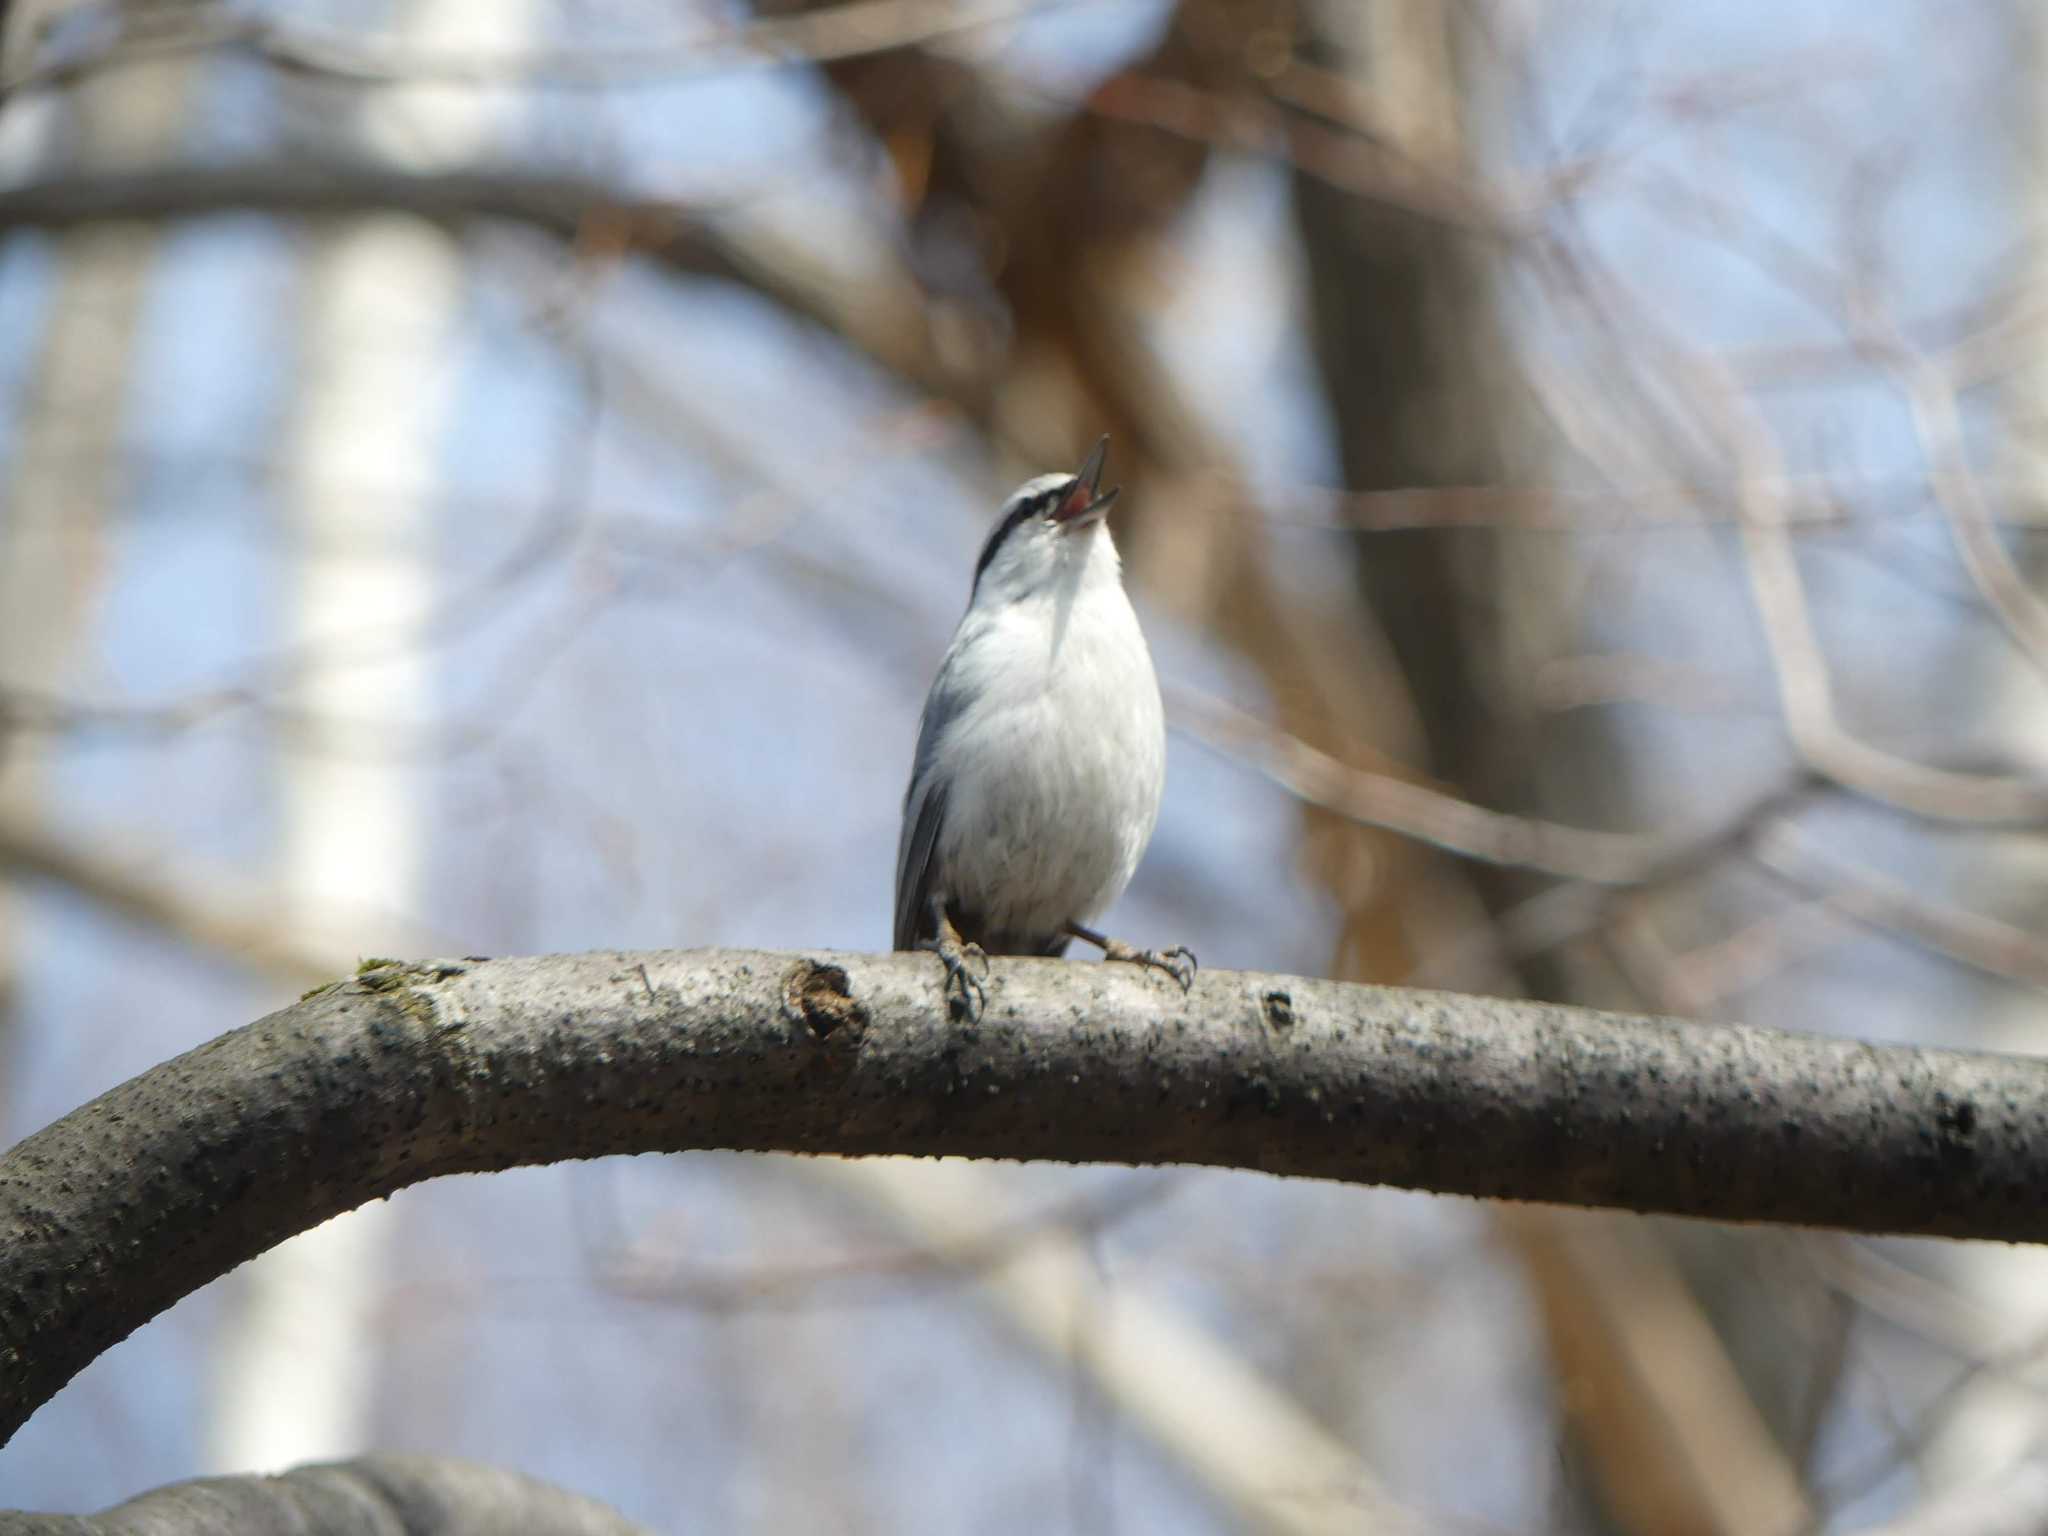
[{"x": 1048, "y": 816}]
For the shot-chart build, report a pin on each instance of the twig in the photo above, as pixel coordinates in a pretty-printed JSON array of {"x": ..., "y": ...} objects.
[
  {"x": 1253, "y": 1445},
  {"x": 1584, "y": 681},
  {"x": 1369, "y": 170},
  {"x": 1943, "y": 1315},
  {"x": 1804, "y": 687},
  {"x": 854, "y": 29},
  {"x": 239, "y": 924},
  {"x": 1860, "y": 1479},
  {"x": 654, "y": 1276},
  {"x": 2005, "y": 589},
  {"x": 1891, "y": 907},
  {"x": 1735, "y": 431},
  {"x": 2013, "y": 1502},
  {"x": 1700, "y": 979},
  {"x": 1415, "y": 810},
  {"x": 1808, "y": 502}
]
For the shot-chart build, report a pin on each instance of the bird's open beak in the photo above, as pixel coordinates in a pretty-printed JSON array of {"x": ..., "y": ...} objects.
[{"x": 1087, "y": 501}]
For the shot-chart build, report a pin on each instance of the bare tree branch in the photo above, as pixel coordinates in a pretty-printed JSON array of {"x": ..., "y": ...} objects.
[
  {"x": 850, "y": 30},
  {"x": 652, "y": 1273},
  {"x": 1594, "y": 858},
  {"x": 238, "y": 923},
  {"x": 1804, "y": 683},
  {"x": 1415, "y": 810},
  {"x": 880, "y": 317},
  {"x": 1931, "y": 396},
  {"x": 1821, "y": 502},
  {"x": 555, "y": 205},
  {"x": 420, "y": 1495},
  {"x": 1891, "y": 907},
  {"x": 408, "y": 1072},
  {"x": 2014, "y": 1503}
]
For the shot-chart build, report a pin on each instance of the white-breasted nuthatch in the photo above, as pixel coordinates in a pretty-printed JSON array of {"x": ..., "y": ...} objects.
[{"x": 1042, "y": 752}]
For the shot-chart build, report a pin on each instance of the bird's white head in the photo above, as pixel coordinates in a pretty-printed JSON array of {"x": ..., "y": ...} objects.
[{"x": 1049, "y": 536}]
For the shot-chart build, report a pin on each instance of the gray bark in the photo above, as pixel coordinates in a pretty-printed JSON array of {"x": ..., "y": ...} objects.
[
  {"x": 370, "y": 1496},
  {"x": 403, "y": 1073}
]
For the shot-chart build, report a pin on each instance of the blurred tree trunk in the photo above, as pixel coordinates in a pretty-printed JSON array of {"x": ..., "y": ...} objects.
[
  {"x": 2001, "y": 1416},
  {"x": 1414, "y": 362},
  {"x": 378, "y": 368},
  {"x": 1412, "y": 355},
  {"x": 1418, "y": 366},
  {"x": 66, "y": 470}
]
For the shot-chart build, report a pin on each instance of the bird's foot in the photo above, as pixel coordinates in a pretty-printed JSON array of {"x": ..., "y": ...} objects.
[
  {"x": 965, "y": 995},
  {"x": 1178, "y": 962}
]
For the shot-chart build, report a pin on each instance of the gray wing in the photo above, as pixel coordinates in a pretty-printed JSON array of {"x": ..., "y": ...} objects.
[{"x": 924, "y": 811}]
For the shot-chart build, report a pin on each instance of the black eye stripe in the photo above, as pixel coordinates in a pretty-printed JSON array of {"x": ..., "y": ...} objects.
[{"x": 1037, "y": 506}]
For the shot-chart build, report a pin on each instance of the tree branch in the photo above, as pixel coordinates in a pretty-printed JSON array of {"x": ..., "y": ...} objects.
[
  {"x": 420, "y": 1495},
  {"x": 854, "y": 29},
  {"x": 880, "y": 317},
  {"x": 558, "y": 205},
  {"x": 404, "y": 1073}
]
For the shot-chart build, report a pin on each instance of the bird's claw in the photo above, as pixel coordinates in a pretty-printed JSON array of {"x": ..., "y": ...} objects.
[
  {"x": 1178, "y": 962},
  {"x": 965, "y": 995}
]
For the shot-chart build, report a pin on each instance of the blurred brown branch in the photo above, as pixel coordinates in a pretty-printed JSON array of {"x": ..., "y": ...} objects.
[
  {"x": 1696, "y": 981},
  {"x": 649, "y": 1274},
  {"x": 1893, "y": 907},
  {"x": 2004, "y": 587},
  {"x": 1367, "y": 168},
  {"x": 842, "y": 31},
  {"x": 1413, "y": 809},
  {"x": 1652, "y": 1378},
  {"x": 241, "y": 924},
  {"x": 880, "y": 316},
  {"x": 1626, "y": 859},
  {"x": 1815, "y": 502},
  {"x": 563, "y": 206}
]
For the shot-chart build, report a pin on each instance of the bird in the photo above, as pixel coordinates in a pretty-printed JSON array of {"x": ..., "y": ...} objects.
[{"x": 1041, "y": 752}]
